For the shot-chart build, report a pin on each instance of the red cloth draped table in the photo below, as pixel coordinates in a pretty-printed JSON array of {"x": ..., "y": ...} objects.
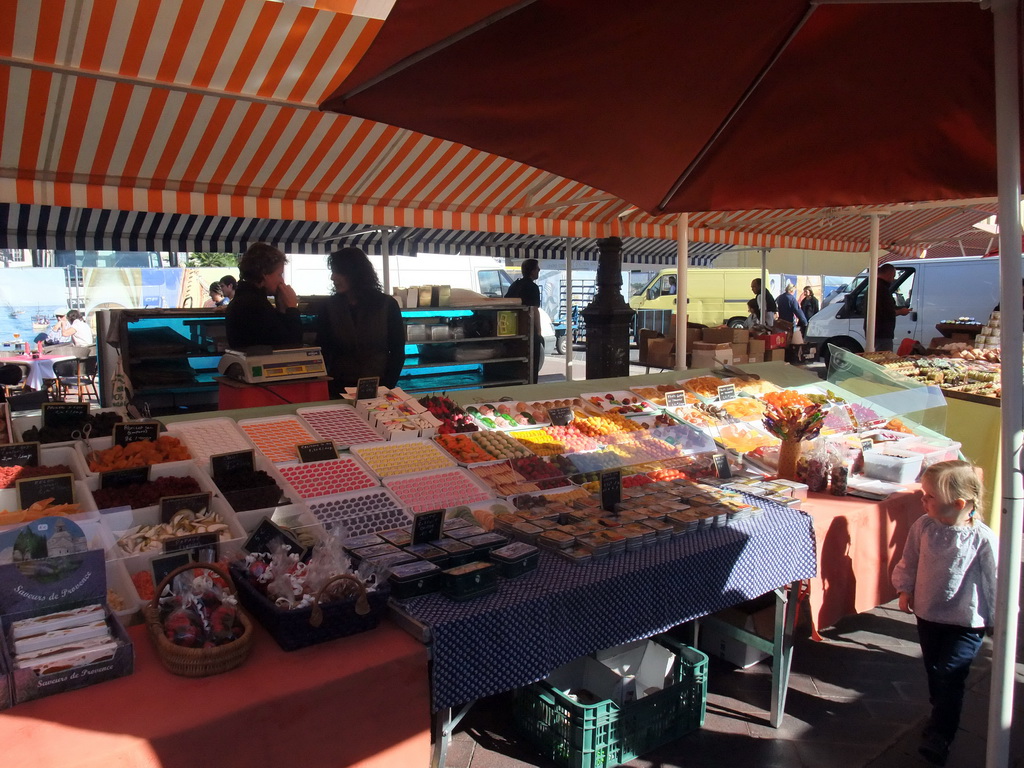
[
  {"x": 859, "y": 543},
  {"x": 362, "y": 700},
  {"x": 39, "y": 368}
]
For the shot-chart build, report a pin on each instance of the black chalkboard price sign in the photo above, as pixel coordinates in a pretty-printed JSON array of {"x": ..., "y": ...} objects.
[
  {"x": 727, "y": 392},
  {"x": 675, "y": 399},
  {"x": 197, "y": 503},
  {"x": 19, "y": 455},
  {"x": 722, "y": 468},
  {"x": 426, "y": 526},
  {"x": 366, "y": 389},
  {"x": 560, "y": 417},
  {"x": 65, "y": 414},
  {"x": 134, "y": 431},
  {"x": 611, "y": 489},
  {"x": 267, "y": 532},
  {"x": 119, "y": 478},
  {"x": 321, "y": 451},
  {"x": 60, "y": 488},
  {"x": 195, "y": 544},
  {"x": 224, "y": 464}
]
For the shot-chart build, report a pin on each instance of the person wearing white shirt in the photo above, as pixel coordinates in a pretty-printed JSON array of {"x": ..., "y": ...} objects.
[{"x": 74, "y": 327}]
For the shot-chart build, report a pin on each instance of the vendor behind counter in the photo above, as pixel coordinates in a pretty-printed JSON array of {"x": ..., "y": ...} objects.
[{"x": 251, "y": 320}]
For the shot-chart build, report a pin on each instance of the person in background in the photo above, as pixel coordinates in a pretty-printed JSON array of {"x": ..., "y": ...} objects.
[
  {"x": 754, "y": 305},
  {"x": 251, "y": 320},
  {"x": 216, "y": 297},
  {"x": 527, "y": 290},
  {"x": 74, "y": 327},
  {"x": 227, "y": 287},
  {"x": 809, "y": 302},
  {"x": 886, "y": 310},
  {"x": 789, "y": 310},
  {"x": 360, "y": 328},
  {"x": 51, "y": 335},
  {"x": 947, "y": 577},
  {"x": 671, "y": 289}
]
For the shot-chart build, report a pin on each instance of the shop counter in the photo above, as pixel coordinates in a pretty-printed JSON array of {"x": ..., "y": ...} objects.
[{"x": 357, "y": 701}]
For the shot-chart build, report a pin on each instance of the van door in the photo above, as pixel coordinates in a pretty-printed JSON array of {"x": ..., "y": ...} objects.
[
  {"x": 906, "y": 290},
  {"x": 660, "y": 293}
]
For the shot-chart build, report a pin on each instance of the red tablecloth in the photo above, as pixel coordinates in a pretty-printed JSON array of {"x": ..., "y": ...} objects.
[
  {"x": 859, "y": 543},
  {"x": 39, "y": 368},
  {"x": 358, "y": 701}
]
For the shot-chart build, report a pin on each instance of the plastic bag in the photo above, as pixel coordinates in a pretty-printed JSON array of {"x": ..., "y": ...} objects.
[
  {"x": 120, "y": 387},
  {"x": 198, "y": 612}
]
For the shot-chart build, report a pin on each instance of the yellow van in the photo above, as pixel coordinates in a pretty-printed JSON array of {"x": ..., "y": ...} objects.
[{"x": 716, "y": 296}]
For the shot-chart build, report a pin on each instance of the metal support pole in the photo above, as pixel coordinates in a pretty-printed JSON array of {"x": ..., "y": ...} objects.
[
  {"x": 385, "y": 252},
  {"x": 682, "y": 265},
  {"x": 761, "y": 303},
  {"x": 869, "y": 331},
  {"x": 1005, "y": 14},
  {"x": 568, "y": 309}
]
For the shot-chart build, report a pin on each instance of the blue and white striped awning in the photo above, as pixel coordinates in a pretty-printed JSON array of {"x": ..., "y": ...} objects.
[{"x": 86, "y": 229}]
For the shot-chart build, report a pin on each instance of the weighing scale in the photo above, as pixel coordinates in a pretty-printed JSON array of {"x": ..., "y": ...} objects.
[{"x": 259, "y": 365}]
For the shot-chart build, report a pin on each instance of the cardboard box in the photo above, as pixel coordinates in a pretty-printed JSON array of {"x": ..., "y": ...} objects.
[
  {"x": 707, "y": 346},
  {"x": 739, "y": 350},
  {"x": 775, "y": 355},
  {"x": 755, "y": 348},
  {"x": 693, "y": 335},
  {"x": 711, "y": 358},
  {"x": 725, "y": 334},
  {"x": 645, "y": 336},
  {"x": 773, "y": 340},
  {"x": 715, "y": 642},
  {"x": 661, "y": 353}
]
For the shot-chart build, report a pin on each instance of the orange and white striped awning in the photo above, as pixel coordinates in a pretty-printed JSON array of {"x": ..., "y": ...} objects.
[{"x": 210, "y": 108}]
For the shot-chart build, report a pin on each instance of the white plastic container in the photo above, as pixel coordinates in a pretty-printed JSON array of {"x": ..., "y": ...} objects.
[
  {"x": 932, "y": 451},
  {"x": 893, "y": 466}
]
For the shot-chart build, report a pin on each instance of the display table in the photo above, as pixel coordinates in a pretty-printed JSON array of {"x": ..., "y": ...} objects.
[
  {"x": 39, "y": 368},
  {"x": 358, "y": 701},
  {"x": 859, "y": 542}
]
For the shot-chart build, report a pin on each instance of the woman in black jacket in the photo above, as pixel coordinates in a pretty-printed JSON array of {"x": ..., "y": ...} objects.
[
  {"x": 359, "y": 329},
  {"x": 809, "y": 302}
]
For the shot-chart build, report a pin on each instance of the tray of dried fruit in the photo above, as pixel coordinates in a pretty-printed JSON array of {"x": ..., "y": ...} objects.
[
  {"x": 480, "y": 447},
  {"x": 705, "y": 387},
  {"x": 523, "y": 475},
  {"x": 549, "y": 441},
  {"x": 656, "y": 394},
  {"x": 752, "y": 387},
  {"x": 621, "y": 402}
]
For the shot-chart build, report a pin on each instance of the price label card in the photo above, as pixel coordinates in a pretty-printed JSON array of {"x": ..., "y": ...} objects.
[
  {"x": 366, "y": 389},
  {"x": 267, "y": 532},
  {"x": 727, "y": 392},
  {"x": 203, "y": 547},
  {"x": 119, "y": 478},
  {"x": 164, "y": 564},
  {"x": 60, "y": 488},
  {"x": 722, "y": 468},
  {"x": 426, "y": 526},
  {"x": 197, "y": 503},
  {"x": 611, "y": 489},
  {"x": 133, "y": 431},
  {"x": 321, "y": 451},
  {"x": 65, "y": 414},
  {"x": 675, "y": 399},
  {"x": 867, "y": 444},
  {"x": 560, "y": 417},
  {"x": 237, "y": 461},
  {"x": 19, "y": 455}
]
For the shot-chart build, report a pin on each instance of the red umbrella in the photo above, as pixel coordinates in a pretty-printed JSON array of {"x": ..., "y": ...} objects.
[{"x": 700, "y": 105}]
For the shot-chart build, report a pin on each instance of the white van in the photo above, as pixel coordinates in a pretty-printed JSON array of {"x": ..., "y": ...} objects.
[{"x": 934, "y": 289}]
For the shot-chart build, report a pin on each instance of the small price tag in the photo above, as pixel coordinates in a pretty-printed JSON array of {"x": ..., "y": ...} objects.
[
  {"x": 237, "y": 461},
  {"x": 197, "y": 503},
  {"x": 560, "y": 417},
  {"x": 611, "y": 489},
  {"x": 727, "y": 392},
  {"x": 267, "y": 532},
  {"x": 65, "y": 414},
  {"x": 366, "y": 389},
  {"x": 119, "y": 478},
  {"x": 61, "y": 488},
  {"x": 722, "y": 468},
  {"x": 202, "y": 547},
  {"x": 867, "y": 444},
  {"x": 133, "y": 431},
  {"x": 675, "y": 399},
  {"x": 427, "y": 526},
  {"x": 321, "y": 451},
  {"x": 164, "y": 564},
  {"x": 19, "y": 455}
]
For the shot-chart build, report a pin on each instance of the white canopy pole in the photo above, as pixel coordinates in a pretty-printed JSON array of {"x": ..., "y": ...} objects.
[
  {"x": 869, "y": 330},
  {"x": 1007, "y": 86},
  {"x": 761, "y": 303},
  {"x": 385, "y": 252},
  {"x": 568, "y": 309},
  {"x": 682, "y": 265}
]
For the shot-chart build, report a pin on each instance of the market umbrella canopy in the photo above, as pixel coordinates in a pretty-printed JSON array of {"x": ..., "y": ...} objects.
[{"x": 699, "y": 105}]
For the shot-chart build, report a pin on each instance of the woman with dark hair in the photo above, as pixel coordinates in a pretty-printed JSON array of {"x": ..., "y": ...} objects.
[
  {"x": 216, "y": 297},
  {"x": 251, "y": 320},
  {"x": 359, "y": 329},
  {"x": 809, "y": 302}
]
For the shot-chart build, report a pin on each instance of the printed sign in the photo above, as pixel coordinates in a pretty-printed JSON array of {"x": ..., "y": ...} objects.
[
  {"x": 321, "y": 451},
  {"x": 61, "y": 488},
  {"x": 722, "y": 468},
  {"x": 366, "y": 389},
  {"x": 197, "y": 503},
  {"x": 203, "y": 547},
  {"x": 224, "y": 464},
  {"x": 426, "y": 526},
  {"x": 867, "y": 444},
  {"x": 560, "y": 417},
  {"x": 65, "y": 414},
  {"x": 119, "y": 478},
  {"x": 611, "y": 489},
  {"x": 675, "y": 399},
  {"x": 19, "y": 455},
  {"x": 133, "y": 431},
  {"x": 266, "y": 533},
  {"x": 727, "y": 392}
]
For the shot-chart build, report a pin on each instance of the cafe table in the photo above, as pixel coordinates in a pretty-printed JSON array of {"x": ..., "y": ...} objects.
[{"x": 39, "y": 368}]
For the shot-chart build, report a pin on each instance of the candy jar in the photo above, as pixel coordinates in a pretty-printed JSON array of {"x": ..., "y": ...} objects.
[
  {"x": 840, "y": 473},
  {"x": 817, "y": 472}
]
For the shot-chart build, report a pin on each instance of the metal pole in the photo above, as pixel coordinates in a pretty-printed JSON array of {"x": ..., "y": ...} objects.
[
  {"x": 682, "y": 265},
  {"x": 1007, "y": 85},
  {"x": 869, "y": 330},
  {"x": 385, "y": 252},
  {"x": 568, "y": 309},
  {"x": 761, "y": 303}
]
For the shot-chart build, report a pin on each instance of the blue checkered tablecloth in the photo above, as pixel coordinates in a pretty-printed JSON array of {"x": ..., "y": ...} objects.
[{"x": 560, "y": 611}]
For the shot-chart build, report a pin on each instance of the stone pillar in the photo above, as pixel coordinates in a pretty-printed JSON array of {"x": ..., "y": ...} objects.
[{"x": 608, "y": 317}]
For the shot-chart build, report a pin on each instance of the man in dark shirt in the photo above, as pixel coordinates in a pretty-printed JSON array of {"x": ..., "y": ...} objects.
[
  {"x": 886, "y": 310},
  {"x": 251, "y": 320},
  {"x": 526, "y": 289},
  {"x": 768, "y": 302}
]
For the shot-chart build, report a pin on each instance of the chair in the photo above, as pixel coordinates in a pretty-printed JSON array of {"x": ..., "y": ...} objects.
[
  {"x": 29, "y": 400},
  {"x": 79, "y": 374},
  {"x": 11, "y": 376}
]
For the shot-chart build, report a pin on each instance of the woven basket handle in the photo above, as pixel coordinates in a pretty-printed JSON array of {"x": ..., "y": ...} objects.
[
  {"x": 216, "y": 568},
  {"x": 354, "y": 585}
]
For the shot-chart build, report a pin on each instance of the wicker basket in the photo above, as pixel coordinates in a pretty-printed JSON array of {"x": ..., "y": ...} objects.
[
  {"x": 359, "y": 611},
  {"x": 196, "y": 662}
]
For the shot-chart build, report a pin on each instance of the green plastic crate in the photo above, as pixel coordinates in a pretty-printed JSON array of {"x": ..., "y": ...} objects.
[{"x": 602, "y": 735}]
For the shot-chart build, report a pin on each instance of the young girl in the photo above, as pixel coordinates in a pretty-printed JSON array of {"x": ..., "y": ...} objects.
[{"x": 947, "y": 577}]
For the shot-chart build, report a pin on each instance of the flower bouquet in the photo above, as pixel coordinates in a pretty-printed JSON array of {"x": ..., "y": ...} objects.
[{"x": 792, "y": 418}]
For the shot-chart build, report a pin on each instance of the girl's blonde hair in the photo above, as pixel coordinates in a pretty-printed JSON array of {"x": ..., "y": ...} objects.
[{"x": 954, "y": 480}]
